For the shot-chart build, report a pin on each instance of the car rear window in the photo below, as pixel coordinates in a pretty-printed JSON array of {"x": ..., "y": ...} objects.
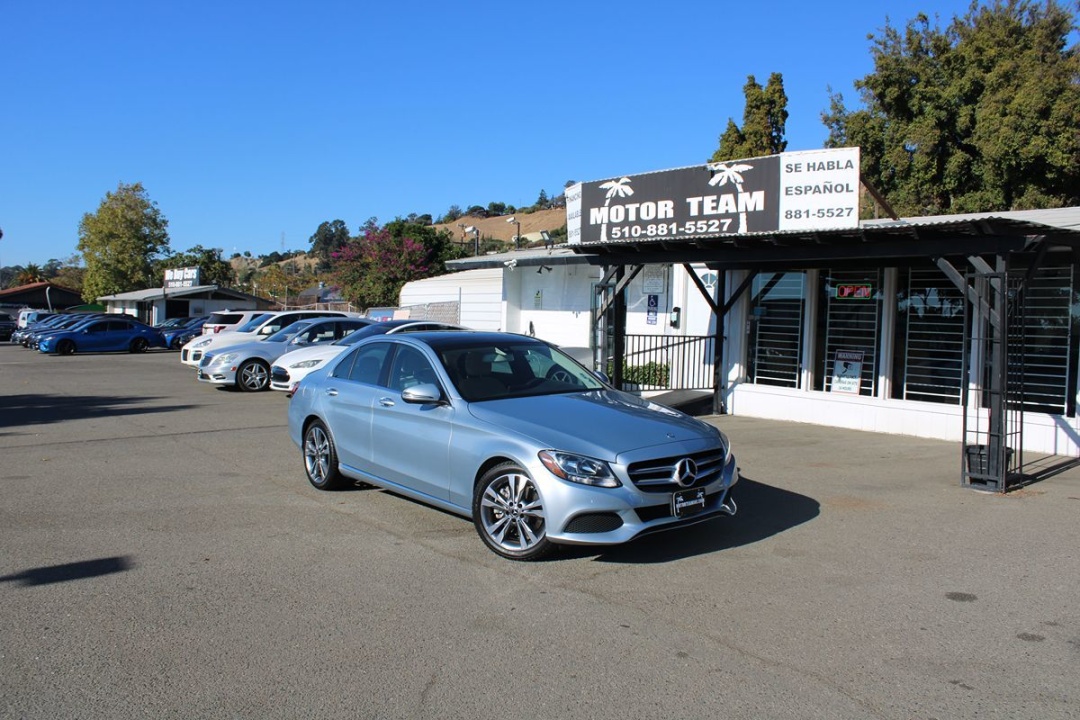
[
  {"x": 224, "y": 318},
  {"x": 255, "y": 322}
]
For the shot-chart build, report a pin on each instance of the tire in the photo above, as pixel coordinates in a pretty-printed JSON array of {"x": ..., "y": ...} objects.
[
  {"x": 253, "y": 376},
  {"x": 65, "y": 347},
  {"x": 139, "y": 345},
  {"x": 321, "y": 459},
  {"x": 508, "y": 514}
]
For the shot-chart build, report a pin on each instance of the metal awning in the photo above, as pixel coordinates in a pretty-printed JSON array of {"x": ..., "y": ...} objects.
[{"x": 879, "y": 241}]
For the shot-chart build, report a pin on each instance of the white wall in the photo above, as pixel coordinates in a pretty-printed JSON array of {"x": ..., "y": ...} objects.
[
  {"x": 556, "y": 302},
  {"x": 478, "y": 292}
]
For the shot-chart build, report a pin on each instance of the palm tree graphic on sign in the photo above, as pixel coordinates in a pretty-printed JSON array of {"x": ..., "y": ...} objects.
[
  {"x": 620, "y": 188},
  {"x": 722, "y": 174}
]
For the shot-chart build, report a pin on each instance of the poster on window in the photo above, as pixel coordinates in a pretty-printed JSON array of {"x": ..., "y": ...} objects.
[{"x": 847, "y": 371}]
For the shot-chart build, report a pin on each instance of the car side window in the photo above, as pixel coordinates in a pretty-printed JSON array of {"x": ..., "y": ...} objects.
[
  {"x": 324, "y": 332},
  {"x": 365, "y": 364},
  {"x": 410, "y": 368}
]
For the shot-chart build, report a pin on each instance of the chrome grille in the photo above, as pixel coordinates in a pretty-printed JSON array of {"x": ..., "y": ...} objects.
[{"x": 658, "y": 475}]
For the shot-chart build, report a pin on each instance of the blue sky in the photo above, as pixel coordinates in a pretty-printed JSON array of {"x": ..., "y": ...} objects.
[{"x": 248, "y": 122}]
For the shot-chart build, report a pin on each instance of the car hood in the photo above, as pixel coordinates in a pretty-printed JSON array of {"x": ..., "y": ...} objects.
[
  {"x": 311, "y": 352},
  {"x": 223, "y": 340},
  {"x": 249, "y": 349},
  {"x": 600, "y": 423}
]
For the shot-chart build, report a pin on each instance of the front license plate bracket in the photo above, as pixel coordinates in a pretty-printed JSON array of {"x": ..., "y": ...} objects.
[{"x": 687, "y": 502}]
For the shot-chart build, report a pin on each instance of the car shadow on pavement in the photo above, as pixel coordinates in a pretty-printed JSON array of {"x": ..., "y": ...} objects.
[
  {"x": 43, "y": 409},
  {"x": 70, "y": 571},
  {"x": 764, "y": 511}
]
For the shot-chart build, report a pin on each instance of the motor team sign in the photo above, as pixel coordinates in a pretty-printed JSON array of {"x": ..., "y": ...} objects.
[{"x": 798, "y": 191}]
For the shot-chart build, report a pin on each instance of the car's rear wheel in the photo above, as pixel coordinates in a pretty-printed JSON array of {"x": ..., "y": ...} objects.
[
  {"x": 509, "y": 515},
  {"x": 321, "y": 459},
  {"x": 65, "y": 347},
  {"x": 253, "y": 376},
  {"x": 139, "y": 345}
]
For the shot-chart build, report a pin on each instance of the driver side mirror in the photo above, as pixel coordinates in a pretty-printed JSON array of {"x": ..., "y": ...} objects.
[{"x": 422, "y": 394}]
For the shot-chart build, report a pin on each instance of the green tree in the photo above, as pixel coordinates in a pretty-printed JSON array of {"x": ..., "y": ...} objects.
[
  {"x": 213, "y": 270},
  {"x": 120, "y": 242},
  {"x": 451, "y": 215},
  {"x": 764, "y": 123},
  {"x": 70, "y": 274},
  {"x": 328, "y": 239},
  {"x": 372, "y": 268},
  {"x": 979, "y": 116},
  {"x": 31, "y": 273}
]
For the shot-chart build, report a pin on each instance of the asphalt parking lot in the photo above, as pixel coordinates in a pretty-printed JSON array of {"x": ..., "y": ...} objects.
[{"x": 164, "y": 556}]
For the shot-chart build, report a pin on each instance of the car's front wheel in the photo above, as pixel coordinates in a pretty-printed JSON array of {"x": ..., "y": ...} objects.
[
  {"x": 509, "y": 515},
  {"x": 139, "y": 345},
  {"x": 320, "y": 458},
  {"x": 65, "y": 347},
  {"x": 253, "y": 376}
]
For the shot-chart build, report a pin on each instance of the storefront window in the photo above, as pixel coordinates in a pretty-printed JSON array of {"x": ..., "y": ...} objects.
[
  {"x": 848, "y": 331},
  {"x": 928, "y": 355},
  {"x": 1042, "y": 345},
  {"x": 777, "y": 307}
]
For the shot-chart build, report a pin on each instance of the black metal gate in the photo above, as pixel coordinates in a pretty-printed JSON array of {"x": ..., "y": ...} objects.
[{"x": 994, "y": 368}]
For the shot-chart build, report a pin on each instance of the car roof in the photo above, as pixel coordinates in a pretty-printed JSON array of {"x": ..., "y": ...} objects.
[{"x": 450, "y": 339}]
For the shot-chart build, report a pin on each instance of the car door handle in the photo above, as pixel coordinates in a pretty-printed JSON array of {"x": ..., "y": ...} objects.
[
  {"x": 331, "y": 392},
  {"x": 386, "y": 401}
]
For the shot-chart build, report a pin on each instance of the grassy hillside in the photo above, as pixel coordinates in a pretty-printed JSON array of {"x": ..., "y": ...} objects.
[{"x": 498, "y": 228}]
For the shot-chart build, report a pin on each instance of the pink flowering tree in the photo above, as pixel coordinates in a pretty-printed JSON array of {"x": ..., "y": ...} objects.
[{"x": 371, "y": 268}]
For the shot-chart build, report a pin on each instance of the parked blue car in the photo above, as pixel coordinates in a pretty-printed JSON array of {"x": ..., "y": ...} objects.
[
  {"x": 179, "y": 334},
  {"x": 103, "y": 335},
  {"x": 69, "y": 321}
]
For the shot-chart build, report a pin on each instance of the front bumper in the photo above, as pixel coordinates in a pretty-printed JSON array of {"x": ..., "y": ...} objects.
[
  {"x": 217, "y": 375},
  {"x": 581, "y": 515},
  {"x": 191, "y": 357}
]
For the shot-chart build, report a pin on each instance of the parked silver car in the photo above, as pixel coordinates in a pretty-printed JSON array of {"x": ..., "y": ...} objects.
[
  {"x": 246, "y": 366},
  {"x": 513, "y": 433}
]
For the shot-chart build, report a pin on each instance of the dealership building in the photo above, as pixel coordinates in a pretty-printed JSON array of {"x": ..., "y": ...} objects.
[{"x": 754, "y": 282}]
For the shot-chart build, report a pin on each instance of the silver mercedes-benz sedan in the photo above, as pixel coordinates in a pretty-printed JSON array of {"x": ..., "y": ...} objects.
[{"x": 509, "y": 431}]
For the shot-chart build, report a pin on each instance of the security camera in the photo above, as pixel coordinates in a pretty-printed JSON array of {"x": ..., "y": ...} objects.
[{"x": 511, "y": 263}]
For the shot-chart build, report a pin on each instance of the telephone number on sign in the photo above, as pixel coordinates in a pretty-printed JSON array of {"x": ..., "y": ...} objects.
[
  {"x": 819, "y": 213},
  {"x": 716, "y": 225}
]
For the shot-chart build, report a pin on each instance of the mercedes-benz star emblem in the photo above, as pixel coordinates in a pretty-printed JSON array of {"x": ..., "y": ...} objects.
[{"x": 685, "y": 472}]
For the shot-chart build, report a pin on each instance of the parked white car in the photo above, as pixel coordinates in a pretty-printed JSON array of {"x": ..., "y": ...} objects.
[
  {"x": 258, "y": 328},
  {"x": 247, "y": 366},
  {"x": 229, "y": 320},
  {"x": 291, "y": 367}
]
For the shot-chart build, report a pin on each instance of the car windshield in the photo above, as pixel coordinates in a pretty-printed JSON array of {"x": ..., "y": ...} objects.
[
  {"x": 254, "y": 322},
  {"x": 513, "y": 369},
  {"x": 286, "y": 333},
  {"x": 364, "y": 332},
  {"x": 390, "y": 326}
]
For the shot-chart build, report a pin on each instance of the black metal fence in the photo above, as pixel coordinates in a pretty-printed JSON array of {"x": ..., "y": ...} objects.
[{"x": 668, "y": 362}]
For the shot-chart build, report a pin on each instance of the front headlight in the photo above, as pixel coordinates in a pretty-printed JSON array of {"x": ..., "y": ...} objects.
[
  {"x": 203, "y": 343},
  {"x": 726, "y": 444},
  {"x": 579, "y": 468},
  {"x": 226, "y": 359},
  {"x": 304, "y": 364}
]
